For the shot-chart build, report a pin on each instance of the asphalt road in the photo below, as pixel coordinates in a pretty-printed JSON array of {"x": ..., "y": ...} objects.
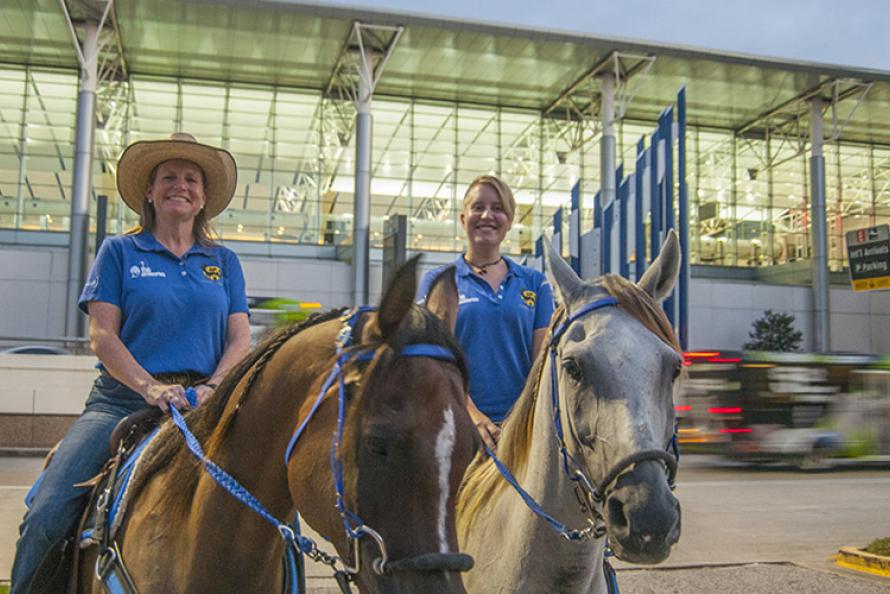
[{"x": 732, "y": 514}]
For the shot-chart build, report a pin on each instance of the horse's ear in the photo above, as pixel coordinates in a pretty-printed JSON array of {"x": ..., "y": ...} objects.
[
  {"x": 659, "y": 278},
  {"x": 563, "y": 279},
  {"x": 398, "y": 299},
  {"x": 443, "y": 298}
]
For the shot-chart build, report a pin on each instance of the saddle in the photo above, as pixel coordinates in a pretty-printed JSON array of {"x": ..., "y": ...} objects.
[{"x": 106, "y": 504}]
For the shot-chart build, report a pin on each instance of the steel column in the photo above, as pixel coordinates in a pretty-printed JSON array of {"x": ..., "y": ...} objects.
[
  {"x": 821, "y": 326},
  {"x": 362, "y": 205},
  {"x": 82, "y": 180}
]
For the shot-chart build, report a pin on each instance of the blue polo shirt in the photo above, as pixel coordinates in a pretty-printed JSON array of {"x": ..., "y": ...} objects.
[
  {"x": 174, "y": 311},
  {"x": 495, "y": 330}
]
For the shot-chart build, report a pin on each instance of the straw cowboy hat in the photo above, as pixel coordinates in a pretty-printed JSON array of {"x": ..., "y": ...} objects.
[{"x": 140, "y": 158}]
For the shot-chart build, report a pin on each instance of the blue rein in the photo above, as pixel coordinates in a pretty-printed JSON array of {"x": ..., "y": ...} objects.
[{"x": 295, "y": 543}]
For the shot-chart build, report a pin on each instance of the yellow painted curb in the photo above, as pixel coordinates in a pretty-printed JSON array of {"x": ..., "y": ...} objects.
[{"x": 853, "y": 558}]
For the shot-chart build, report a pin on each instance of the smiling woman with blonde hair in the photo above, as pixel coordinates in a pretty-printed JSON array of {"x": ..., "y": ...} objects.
[
  {"x": 168, "y": 310},
  {"x": 504, "y": 307}
]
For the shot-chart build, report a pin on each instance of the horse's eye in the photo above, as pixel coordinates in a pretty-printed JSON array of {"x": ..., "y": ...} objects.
[
  {"x": 573, "y": 369},
  {"x": 377, "y": 446},
  {"x": 678, "y": 369}
]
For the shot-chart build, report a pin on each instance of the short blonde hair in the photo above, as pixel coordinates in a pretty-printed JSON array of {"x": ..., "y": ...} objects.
[{"x": 508, "y": 202}]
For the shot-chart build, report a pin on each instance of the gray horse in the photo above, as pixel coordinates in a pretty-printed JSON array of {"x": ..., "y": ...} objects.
[{"x": 617, "y": 365}]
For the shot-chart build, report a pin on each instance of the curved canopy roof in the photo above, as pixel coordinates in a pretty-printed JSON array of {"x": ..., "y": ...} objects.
[{"x": 299, "y": 45}]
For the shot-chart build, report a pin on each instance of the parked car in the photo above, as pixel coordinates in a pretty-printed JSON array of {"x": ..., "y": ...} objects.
[{"x": 35, "y": 349}]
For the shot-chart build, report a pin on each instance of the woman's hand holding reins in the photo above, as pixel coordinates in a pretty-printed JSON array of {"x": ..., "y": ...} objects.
[
  {"x": 203, "y": 392},
  {"x": 488, "y": 431},
  {"x": 163, "y": 395}
]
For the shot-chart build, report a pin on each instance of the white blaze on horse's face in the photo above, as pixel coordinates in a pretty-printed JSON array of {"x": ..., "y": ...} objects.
[{"x": 444, "y": 452}]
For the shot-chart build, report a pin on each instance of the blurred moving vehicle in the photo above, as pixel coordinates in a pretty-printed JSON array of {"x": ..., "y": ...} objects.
[
  {"x": 268, "y": 313},
  {"x": 802, "y": 408}
]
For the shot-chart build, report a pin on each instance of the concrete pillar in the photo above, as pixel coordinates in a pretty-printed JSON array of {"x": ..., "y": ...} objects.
[
  {"x": 75, "y": 321},
  {"x": 362, "y": 205},
  {"x": 821, "y": 310}
]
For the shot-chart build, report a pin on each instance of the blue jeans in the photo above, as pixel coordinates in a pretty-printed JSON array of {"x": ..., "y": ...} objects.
[{"x": 57, "y": 505}]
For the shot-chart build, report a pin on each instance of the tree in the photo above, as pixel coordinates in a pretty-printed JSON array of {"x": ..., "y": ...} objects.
[{"x": 774, "y": 332}]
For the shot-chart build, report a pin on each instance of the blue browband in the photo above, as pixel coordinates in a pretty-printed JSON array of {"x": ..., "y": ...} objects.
[
  {"x": 563, "y": 326},
  {"x": 433, "y": 351}
]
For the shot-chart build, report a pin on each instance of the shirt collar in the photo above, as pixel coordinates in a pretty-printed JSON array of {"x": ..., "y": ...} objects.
[
  {"x": 463, "y": 269},
  {"x": 147, "y": 242}
]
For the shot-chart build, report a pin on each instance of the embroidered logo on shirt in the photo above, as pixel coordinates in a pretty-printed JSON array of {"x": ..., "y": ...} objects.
[
  {"x": 530, "y": 298},
  {"x": 464, "y": 299},
  {"x": 143, "y": 270},
  {"x": 212, "y": 272}
]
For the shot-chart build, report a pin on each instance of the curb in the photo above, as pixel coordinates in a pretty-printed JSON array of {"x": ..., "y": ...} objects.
[{"x": 859, "y": 560}]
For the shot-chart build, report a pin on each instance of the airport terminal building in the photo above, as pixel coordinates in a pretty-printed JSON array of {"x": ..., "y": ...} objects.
[{"x": 340, "y": 119}]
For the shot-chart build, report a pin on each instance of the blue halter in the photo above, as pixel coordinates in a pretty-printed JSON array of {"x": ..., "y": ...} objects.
[
  {"x": 353, "y": 525},
  {"x": 596, "y": 493}
]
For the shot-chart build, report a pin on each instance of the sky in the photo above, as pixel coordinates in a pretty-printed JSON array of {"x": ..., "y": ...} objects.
[{"x": 839, "y": 32}]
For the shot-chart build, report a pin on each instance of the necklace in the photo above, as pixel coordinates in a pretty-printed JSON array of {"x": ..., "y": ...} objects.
[{"x": 482, "y": 269}]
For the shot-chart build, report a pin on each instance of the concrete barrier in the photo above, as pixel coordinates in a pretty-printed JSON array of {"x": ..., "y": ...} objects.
[{"x": 40, "y": 396}]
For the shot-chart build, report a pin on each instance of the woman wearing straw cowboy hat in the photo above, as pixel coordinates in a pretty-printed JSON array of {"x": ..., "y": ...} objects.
[{"x": 167, "y": 310}]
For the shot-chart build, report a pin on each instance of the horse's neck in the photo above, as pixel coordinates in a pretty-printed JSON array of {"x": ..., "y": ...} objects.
[
  {"x": 532, "y": 556},
  {"x": 214, "y": 523}
]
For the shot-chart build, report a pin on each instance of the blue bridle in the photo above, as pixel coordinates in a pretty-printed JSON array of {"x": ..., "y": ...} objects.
[
  {"x": 598, "y": 493},
  {"x": 295, "y": 543},
  {"x": 353, "y": 525}
]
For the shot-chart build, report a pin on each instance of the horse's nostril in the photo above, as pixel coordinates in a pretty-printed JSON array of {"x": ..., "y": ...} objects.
[{"x": 617, "y": 518}]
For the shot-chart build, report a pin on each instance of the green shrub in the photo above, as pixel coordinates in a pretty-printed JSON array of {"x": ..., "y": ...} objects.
[
  {"x": 774, "y": 332},
  {"x": 880, "y": 546}
]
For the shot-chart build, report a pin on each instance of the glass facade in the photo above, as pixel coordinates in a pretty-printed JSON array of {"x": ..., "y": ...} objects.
[{"x": 749, "y": 203}]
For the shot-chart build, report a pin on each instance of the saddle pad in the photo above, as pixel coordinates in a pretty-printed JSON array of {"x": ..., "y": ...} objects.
[{"x": 118, "y": 489}]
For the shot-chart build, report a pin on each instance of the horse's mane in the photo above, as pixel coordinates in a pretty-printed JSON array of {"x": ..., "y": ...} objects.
[
  {"x": 207, "y": 422},
  {"x": 482, "y": 481}
]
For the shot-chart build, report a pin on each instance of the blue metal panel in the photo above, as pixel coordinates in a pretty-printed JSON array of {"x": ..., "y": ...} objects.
[
  {"x": 597, "y": 212},
  {"x": 557, "y": 230},
  {"x": 667, "y": 133},
  {"x": 575, "y": 229},
  {"x": 598, "y": 224},
  {"x": 607, "y": 237},
  {"x": 639, "y": 215},
  {"x": 539, "y": 247},
  {"x": 623, "y": 194},
  {"x": 683, "y": 214},
  {"x": 666, "y": 125},
  {"x": 655, "y": 199}
]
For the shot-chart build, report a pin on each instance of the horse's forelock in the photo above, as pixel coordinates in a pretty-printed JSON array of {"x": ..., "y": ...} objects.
[{"x": 638, "y": 303}]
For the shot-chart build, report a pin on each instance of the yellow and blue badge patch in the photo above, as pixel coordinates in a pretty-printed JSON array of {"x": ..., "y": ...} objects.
[
  {"x": 530, "y": 298},
  {"x": 212, "y": 272}
]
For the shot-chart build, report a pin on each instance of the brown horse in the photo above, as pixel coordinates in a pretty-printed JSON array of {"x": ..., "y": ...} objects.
[{"x": 405, "y": 444}]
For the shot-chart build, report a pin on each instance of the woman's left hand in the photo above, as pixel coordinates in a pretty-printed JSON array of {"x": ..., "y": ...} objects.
[{"x": 202, "y": 393}]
